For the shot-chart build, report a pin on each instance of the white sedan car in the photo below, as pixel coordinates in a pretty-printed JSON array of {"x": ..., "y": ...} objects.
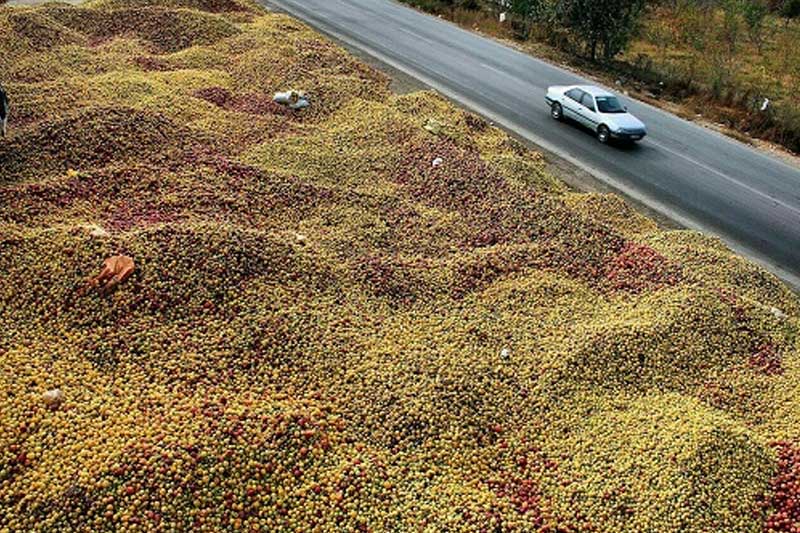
[{"x": 596, "y": 109}]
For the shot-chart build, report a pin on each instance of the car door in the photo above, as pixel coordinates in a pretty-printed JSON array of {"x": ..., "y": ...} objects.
[
  {"x": 588, "y": 111},
  {"x": 572, "y": 104}
]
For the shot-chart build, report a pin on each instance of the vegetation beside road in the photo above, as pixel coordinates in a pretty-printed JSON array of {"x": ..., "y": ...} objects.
[
  {"x": 376, "y": 314},
  {"x": 719, "y": 58}
]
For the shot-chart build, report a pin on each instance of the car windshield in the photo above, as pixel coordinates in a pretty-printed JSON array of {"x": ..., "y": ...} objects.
[{"x": 609, "y": 104}]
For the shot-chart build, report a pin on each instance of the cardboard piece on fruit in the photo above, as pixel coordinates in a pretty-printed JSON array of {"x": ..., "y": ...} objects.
[{"x": 53, "y": 398}]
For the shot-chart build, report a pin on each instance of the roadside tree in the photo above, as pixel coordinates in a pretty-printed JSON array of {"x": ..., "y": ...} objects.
[{"x": 602, "y": 26}]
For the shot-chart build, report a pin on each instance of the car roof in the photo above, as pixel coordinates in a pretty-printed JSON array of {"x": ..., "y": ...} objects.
[{"x": 594, "y": 90}]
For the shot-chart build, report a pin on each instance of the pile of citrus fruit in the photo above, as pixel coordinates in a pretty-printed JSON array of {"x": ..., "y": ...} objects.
[{"x": 379, "y": 313}]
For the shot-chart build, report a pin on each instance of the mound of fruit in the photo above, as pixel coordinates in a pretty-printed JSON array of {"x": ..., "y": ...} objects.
[{"x": 379, "y": 313}]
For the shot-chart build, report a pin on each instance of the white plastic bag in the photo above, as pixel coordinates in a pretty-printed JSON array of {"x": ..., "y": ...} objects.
[{"x": 292, "y": 99}]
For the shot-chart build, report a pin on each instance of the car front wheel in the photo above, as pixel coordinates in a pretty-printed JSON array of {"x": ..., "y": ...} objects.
[
  {"x": 603, "y": 134},
  {"x": 556, "y": 111}
]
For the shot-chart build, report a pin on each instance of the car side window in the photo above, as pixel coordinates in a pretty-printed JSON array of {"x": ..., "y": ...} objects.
[
  {"x": 574, "y": 94},
  {"x": 588, "y": 101}
]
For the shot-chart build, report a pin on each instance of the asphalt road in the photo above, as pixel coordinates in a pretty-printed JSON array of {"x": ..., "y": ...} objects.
[{"x": 693, "y": 175}]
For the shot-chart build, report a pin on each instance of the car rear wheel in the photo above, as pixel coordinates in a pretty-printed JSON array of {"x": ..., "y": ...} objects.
[
  {"x": 603, "y": 134},
  {"x": 556, "y": 111}
]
